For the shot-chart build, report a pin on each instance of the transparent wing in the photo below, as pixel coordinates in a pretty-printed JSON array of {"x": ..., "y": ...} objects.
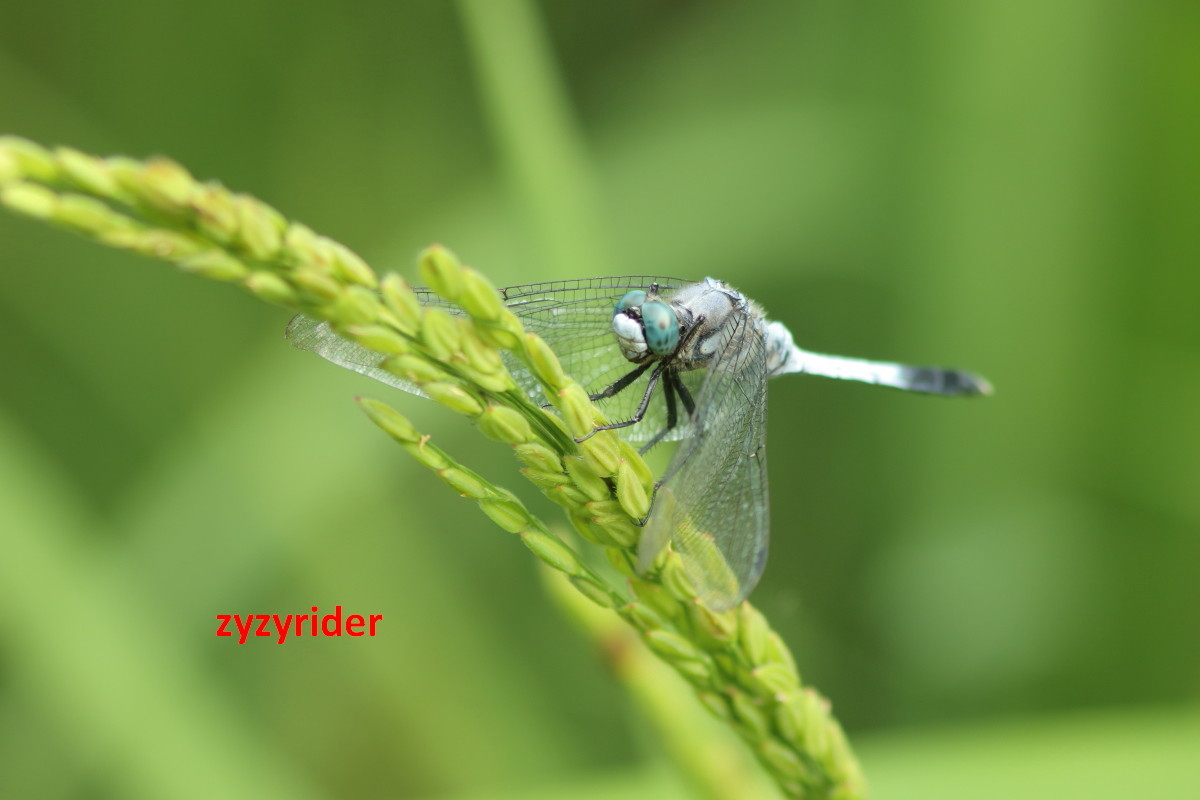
[
  {"x": 310, "y": 334},
  {"x": 712, "y": 504},
  {"x": 574, "y": 317}
]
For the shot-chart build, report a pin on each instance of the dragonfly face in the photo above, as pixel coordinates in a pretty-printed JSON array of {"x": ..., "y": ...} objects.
[
  {"x": 701, "y": 354},
  {"x": 646, "y": 328},
  {"x": 680, "y": 327}
]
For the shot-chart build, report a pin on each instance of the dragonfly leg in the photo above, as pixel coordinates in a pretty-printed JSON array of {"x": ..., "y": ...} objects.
[
  {"x": 617, "y": 386},
  {"x": 689, "y": 404},
  {"x": 641, "y": 412},
  {"x": 669, "y": 387},
  {"x": 621, "y": 384}
]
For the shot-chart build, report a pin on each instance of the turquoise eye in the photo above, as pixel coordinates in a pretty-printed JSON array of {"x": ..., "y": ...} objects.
[
  {"x": 662, "y": 329},
  {"x": 630, "y": 299}
]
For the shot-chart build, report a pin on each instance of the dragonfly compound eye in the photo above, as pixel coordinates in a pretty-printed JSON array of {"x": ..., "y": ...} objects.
[
  {"x": 630, "y": 300},
  {"x": 662, "y": 329}
]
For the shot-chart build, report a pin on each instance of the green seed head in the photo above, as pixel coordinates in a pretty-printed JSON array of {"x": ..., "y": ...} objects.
[
  {"x": 463, "y": 482},
  {"x": 379, "y": 338},
  {"x": 774, "y": 679},
  {"x": 601, "y": 452},
  {"x": 504, "y": 425},
  {"x": 301, "y": 246},
  {"x": 390, "y": 420},
  {"x": 402, "y": 302},
  {"x": 272, "y": 288},
  {"x": 629, "y": 454},
  {"x": 431, "y": 457},
  {"x": 356, "y": 305},
  {"x": 748, "y": 710},
  {"x": 441, "y": 270},
  {"x": 717, "y": 625},
  {"x": 674, "y": 579},
  {"x": 260, "y": 228},
  {"x": 538, "y": 457},
  {"x": 630, "y": 491},
  {"x": 32, "y": 160},
  {"x": 505, "y": 334},
  {"x": 553, "y": 552},
  {"x": 586, "y": 480},
  {"x": 497, "y": 382},
  {"x": 167, "y": 186},
  {"x": 544, "y": 363},
  {"x": 716, "y": 704},
  {"x": 816, "y": 722},
  {"x": 777, "y": 651},
  {"x": 479, "y": 298},
  {"x": 509, "y": 515},
  {"x": 752, "y": 633},
  {"x": 697, "y": 673},
  {"x": 155, "y": 242},
  {"x": 480, "y": 356},
  {"x": 654, "y": 596},
  {"x": 453, "y": 397},
  {"x": 672, "y": 646},
  {"x": 29, "y": 199},
  {"x": 584, "y": 526},
  {"x": 576, "y": 410},
  {"x": 440, "y": 333},
  {"x": 783, "y": 761},
  {"x": 127, "y": 173},
  {"x": 317, "y": 285},
  {"x": 615, "y": 529},
  {"x": 606, "y": 509},
  {"x": 566, "y": 496},
  {"x": 10, "y": 170},
  {"x": 642, "y": 617},
  {"x": 789, "y": 714},
  {"x": 553, "y": 480},
  {"x": 598, "y": 594},
  {"x": 216, "y": 213},
  {"x": 88, "y": 173},
  {"x": 90, "y": 216},
  {"x": 215, "y": 265},
  {"x": 350, "y": 267}
]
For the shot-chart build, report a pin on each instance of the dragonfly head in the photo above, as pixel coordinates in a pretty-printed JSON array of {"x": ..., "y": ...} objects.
[{"x": 644, "y": 327}]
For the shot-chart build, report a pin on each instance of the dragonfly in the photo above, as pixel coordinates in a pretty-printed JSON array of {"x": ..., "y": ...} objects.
[{"x": 673, "y": 361}]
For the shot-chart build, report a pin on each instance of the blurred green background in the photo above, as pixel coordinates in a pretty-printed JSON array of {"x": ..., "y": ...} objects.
[{"x": 999, "y": 597}]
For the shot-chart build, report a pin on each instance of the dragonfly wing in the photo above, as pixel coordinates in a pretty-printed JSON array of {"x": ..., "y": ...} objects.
[
  {"x": 712, "y": 504},
  {"x": 574, "y": 317},
  {"x": 310, "y": 334}
]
